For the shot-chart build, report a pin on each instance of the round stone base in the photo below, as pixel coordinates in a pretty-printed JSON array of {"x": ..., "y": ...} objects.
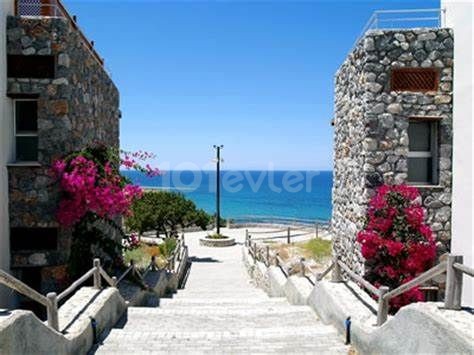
[{"x": 217, "y": 243}]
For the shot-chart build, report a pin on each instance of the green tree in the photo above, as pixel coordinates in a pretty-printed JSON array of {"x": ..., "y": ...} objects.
[{"x": 165, "y": 212}]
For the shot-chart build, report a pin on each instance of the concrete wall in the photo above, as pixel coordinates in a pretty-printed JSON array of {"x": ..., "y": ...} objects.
[
  {"x": 22, "y": 333},
  {"x": 6, "y": 146},
  {"x": 460, "y": 16}
]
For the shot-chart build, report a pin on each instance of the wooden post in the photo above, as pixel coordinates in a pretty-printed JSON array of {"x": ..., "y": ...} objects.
[
  {"x": 114, "y": 281},
  {"x": 288, "y": 236},
  {"x": 277, "y": 263},
  {"x": 267, "y": 258},
  {"x": 97, "y": 278},
  {"x": 336, "y": 275},
  {"x": 317, "y": 230},
  {"x": 453, "y": 283},
  {"x": 153, "y": 263},
  {"x": 302, "y": 267},
  {"x": 382, "y": 311},
  {"x": 255, "y": 251},
  {"x": 246, "y": 237},
  {"x": 132, "y": 264},
  {"x": 52, "y": 310}
]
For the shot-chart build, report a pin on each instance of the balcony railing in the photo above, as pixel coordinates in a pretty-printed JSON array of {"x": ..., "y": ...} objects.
[
  {"x": 54, "y": 8},
  {"x": 403, "y": 19}
]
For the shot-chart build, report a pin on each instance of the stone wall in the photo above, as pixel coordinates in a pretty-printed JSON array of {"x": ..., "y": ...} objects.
[
  {"x": 77, "y": 107},
  {"x": 371, "y": 122}
]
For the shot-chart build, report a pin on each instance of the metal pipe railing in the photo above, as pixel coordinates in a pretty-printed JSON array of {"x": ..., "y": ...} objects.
[{"x": 55, "y": 8}]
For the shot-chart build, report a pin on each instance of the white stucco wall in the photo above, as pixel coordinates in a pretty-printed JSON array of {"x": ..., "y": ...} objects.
[
  {"x": 6, "y": 129},
  {"x": 459, "y": 15}
]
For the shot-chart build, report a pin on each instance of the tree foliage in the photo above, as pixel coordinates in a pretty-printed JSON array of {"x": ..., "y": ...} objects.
[{"x": 165, "y": 212}]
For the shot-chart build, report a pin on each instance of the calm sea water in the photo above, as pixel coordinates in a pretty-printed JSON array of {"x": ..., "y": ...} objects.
[{"x": 303, "y": 196}]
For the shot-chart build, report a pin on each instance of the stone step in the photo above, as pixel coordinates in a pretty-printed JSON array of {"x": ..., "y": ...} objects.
[
  {"x": 316, "y": 330},
  {"x": 199, "y": 301},
  {"x": 217, "y": 305},
  {"x": 297, "y": 340},
  {"x": 232, "y": 309}
]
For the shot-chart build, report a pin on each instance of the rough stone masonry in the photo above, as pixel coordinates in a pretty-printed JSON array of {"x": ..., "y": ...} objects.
[
  {"x": 371, "y": 130},
  {"x": 77, "y": 107}
]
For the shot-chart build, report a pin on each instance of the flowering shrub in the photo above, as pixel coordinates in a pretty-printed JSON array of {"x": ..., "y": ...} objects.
[
  {"x": 93, "y": 190},
  {"x": 395, "y": 242}
]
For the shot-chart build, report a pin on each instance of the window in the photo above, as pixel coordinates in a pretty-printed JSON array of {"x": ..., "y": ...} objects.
[
  {"x": 414, "y": 79},
  {"x": 422, "y": 155},
  {"x": 30, "y": 66},
  {"x": 25, "y": 239},
  {"x": 26, "y": 129}
]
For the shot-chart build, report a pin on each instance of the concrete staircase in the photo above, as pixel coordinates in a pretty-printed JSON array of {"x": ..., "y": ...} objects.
[{"x": 220, "y": 311}]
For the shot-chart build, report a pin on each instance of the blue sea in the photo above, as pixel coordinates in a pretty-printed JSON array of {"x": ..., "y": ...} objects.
[{"x": 279, "y": 196}]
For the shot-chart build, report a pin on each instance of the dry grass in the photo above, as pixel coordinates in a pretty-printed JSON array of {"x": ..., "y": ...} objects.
[{"x": 142, "y": 255}]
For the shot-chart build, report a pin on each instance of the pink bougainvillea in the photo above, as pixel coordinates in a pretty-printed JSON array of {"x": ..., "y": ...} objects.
[
  {"x": 87, "y": 190},
  {"x": 91, "y": 182},
  {"x": 395, "y": 242},
  {"x": 134, "y": 160}
]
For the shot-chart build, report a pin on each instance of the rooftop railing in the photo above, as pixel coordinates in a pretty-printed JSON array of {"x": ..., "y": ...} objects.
[
  {"x": 402, "y": 19},
  {"x": 54, "y": 8}
]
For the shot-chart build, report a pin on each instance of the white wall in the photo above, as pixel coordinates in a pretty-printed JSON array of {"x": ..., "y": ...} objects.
[
  {"x": 459, "y": 16},
  {"x": 6, "y": 129}
]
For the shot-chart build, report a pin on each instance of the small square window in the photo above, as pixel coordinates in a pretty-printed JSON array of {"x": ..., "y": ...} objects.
[
  {"x": 26, "y": 130},
  {"x": 423, "y": 152}
]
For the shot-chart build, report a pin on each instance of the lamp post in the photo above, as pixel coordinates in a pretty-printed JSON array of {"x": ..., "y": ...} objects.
[{"x": 218, "y": 186}]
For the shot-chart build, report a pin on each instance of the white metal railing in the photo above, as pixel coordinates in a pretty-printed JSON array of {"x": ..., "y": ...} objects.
[{"x": 402, "y": 19}]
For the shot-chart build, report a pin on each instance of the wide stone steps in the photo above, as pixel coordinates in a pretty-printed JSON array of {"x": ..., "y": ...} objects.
[
  {"x": 223, "y": 326},
  {"x": 220, "y": 311}
]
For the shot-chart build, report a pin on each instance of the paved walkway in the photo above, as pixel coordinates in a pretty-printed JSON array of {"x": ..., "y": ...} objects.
[{"x": 221, "y": 312}]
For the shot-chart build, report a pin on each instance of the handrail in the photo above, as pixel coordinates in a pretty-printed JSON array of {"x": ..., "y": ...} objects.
[
  {"x": 465, "y": 269},
  {"x": 357, "y": 278},
  {"x": 321, "y": 276},
  {"x": 125, "y": 273},
  {"x": 76, "y": 284},
  {"x": 20, "y": 287},
  {"x": 417, "y": 281},
  {"x": 453, "y": 266}
]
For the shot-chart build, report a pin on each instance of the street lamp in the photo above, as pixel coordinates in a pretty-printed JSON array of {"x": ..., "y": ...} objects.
[{"x": 218, "y": 187}]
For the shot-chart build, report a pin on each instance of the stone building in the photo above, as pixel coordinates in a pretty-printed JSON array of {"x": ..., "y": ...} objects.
[
  {"x": 62, "y": 99},
  {"x": 393, "y": 124}
]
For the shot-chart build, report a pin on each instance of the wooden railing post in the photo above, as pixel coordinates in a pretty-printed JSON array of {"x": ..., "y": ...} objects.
[
  {"x": 153, "y": 263},
  {"x": 288, "y": 236},
  {"x": 277, "y": 263},
  {"x": 267, "y": 257},
  {"x": 132, "y": 264},
  {"x": 336, "y": 275},
  {"x": 453, "y": 283},
  {"x": 317, "y": 230},
  {"x": 246, "y": 237},
  {"x": 97, "y": 278},
  {"x": 382, "y": 310},
  {"x": 302, "y": 267},
  {"x": 52, "y": 310},
  {"x": 255, "y": 251}
]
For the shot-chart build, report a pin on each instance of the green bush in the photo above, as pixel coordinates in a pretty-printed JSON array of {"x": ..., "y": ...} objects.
[
  {"x": 165, "y": 212},
  {"x": 167, "y": 247}
]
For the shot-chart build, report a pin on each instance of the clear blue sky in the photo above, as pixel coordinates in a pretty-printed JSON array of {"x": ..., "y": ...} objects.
[{"x": 256, "y": 76}]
